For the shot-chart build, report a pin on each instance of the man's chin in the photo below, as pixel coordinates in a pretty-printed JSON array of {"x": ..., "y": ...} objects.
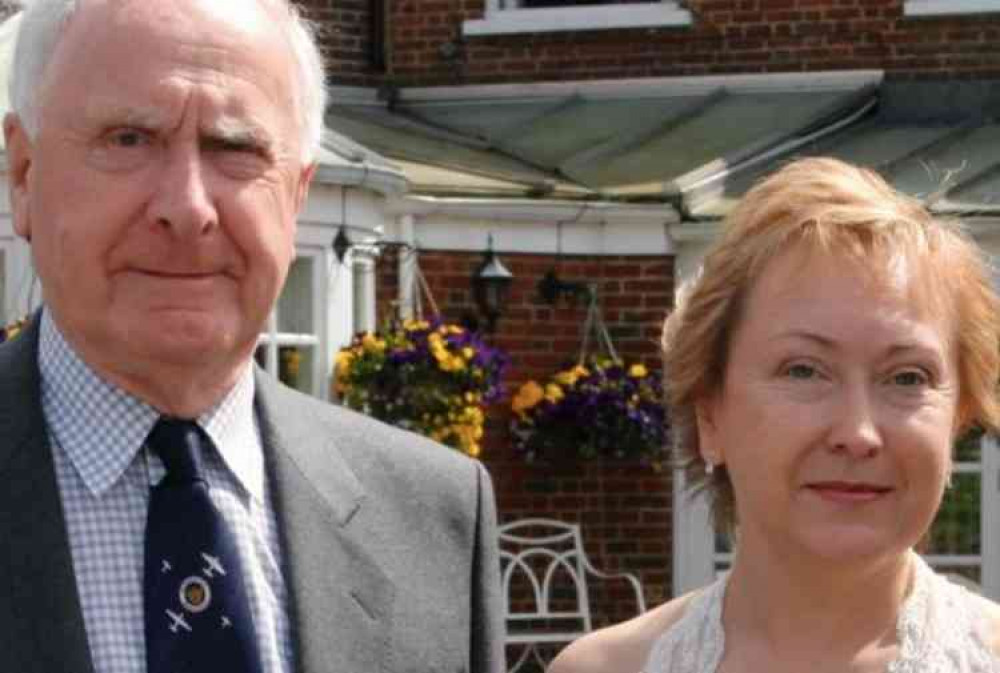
[{"x": 194, "y": 344}]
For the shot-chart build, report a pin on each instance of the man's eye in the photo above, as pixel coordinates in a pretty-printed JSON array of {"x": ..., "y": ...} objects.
[
  {"x": 234, "y": 145},
  {"x": 128, "y": 138}
]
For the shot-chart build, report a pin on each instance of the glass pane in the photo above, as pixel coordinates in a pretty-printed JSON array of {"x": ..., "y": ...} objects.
[
  {"x": 295, "y": 304},
  {"x": 295, "y": 367},
  {"x": 956, "y": 529},
  {"x": 363, "y": 301}
]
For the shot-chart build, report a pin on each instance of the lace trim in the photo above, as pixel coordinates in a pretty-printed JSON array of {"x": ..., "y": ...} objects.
[{"x": 939, "y": 630}]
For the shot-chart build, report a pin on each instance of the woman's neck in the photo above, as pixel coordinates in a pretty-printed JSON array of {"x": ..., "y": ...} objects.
[{"x": 787, "y": 609}]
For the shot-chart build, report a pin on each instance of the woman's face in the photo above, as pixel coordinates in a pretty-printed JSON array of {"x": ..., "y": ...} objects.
[{"x": 837, "y": 413}]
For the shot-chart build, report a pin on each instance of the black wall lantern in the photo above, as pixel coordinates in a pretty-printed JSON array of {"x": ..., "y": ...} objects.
[{"x": 490, "y": 286}]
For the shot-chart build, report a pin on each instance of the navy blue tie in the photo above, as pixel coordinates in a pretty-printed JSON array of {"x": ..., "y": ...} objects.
[{"x": 197, "y": 613}]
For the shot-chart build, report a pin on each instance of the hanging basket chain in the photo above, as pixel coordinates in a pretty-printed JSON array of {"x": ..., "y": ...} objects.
[
  {"x": 595, "y": 323},
  {"x": 422, "y": 289}
]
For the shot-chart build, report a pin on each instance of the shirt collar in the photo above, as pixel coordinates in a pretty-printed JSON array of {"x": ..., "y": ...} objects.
[{"x": 102, "y": 427}]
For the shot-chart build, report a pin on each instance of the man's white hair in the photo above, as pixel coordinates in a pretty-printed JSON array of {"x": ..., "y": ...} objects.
[{"x": 45, "y": 21}]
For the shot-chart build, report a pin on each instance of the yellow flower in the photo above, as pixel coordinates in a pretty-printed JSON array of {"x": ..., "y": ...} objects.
[
  {"x": 344, "y": 360},
  {"x": 566, "y": 378},
  {"x": 468, "y": 353},
  {"x": 415, "y": 325},
  {"x": 553, "y": 393},
  {"x": 637, "y": 371},
  {"x": 527, "y": 396},
  {"x": 372, "y": 344}
]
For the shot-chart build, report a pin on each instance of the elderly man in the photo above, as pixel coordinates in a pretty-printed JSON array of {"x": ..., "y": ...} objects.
[{"x": 165, "y": 506}]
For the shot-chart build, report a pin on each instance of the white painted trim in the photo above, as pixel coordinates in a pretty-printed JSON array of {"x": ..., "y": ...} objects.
[
  {"x": 949, "y": 7},
  {"x": 364, "y": 175},
  {"x": 291, "y": 339},
  {"x": 542, "y": 237},
  {"x": 559, "y": 19},
  {"x": 990, "y": 519},
  {"x": 363, "y": 268},
  {"x": 532, "y": 210},
  {"x": 692, "y": 520},
  {"x": 591, "y": 228},
  {"x": 407, "y": 268},
  {"x": 653, "y": 87}
]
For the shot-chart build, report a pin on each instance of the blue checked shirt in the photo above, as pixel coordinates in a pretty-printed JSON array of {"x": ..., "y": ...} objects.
[{"x": 105, "y": 473}]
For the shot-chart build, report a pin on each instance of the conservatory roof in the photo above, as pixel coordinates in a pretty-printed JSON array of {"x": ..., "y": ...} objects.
[
  {"x": 694, "y": 144},
  {"x": 613, "y": 140}
]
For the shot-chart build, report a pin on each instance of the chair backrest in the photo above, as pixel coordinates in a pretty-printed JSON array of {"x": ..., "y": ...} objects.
[{"x": 543, "y": 571}]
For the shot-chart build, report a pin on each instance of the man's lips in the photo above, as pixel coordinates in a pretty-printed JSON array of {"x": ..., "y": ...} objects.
[{"x": 178, "y": 275}]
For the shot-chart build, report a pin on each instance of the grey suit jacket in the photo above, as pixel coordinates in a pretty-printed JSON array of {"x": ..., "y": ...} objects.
[{"x": 388, "y": 539}]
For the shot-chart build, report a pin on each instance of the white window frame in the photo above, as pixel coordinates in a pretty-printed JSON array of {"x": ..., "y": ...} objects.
[
  {"x": 502, "y": 19},
  {"x": 272, "y": 339},
  {"x": 949, "y": 7}
]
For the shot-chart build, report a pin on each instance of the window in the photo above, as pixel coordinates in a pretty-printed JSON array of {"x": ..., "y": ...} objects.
[
  {"x": 949, "y": 7},
  {"x": 536, "y": 16},
  {"x": 292, "y": 347}
]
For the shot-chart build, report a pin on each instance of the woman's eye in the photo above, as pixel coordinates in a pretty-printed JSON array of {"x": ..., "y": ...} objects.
[
  {"x": 800, "y": 372},
  {"x": 910, "y": 378}
]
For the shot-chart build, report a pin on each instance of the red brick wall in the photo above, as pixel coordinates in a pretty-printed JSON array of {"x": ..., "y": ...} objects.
[
  {"x": 345, "y": 39},
  {"x": 727, "y": 36},
  {"x": 625, "y": 508}
]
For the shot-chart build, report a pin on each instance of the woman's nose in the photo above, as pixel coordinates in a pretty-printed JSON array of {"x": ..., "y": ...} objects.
[{"x": 855, "y": 428}]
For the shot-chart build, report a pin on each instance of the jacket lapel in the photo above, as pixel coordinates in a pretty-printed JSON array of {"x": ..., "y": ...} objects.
[
  {"x": 340, "y": 600},
  {"x": 40, "y": 619}
]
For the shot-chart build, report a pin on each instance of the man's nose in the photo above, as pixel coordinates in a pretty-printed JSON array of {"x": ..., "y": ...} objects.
[
  {"x": 855, "y": 427},
  {"x": 182, "y": 202}
]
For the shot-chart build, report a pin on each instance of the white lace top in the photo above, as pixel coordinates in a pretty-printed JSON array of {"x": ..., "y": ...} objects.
[{"x": 941, "y": 629}]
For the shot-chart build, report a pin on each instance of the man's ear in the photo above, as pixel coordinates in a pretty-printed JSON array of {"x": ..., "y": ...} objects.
[
  {"x": 305, "y": 179},
  {"x": 19, "y": 159}
]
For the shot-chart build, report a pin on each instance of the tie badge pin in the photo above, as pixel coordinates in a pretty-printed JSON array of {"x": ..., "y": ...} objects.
[{"x": 195, "y": 594}]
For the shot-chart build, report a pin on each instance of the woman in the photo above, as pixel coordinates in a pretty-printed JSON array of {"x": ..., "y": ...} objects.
[{"x": 836, "y": 343}]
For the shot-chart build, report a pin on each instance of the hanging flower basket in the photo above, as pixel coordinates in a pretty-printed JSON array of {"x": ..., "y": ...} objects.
[
  {"x": 597, "y": 408},
  {"x": 429, "y": 377}
]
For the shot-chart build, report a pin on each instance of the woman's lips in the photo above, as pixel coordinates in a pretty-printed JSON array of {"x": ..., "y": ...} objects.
[{"x": 849, "y": 492}]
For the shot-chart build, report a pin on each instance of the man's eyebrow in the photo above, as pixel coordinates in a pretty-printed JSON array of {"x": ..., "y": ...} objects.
[
  {"x": 127, "y": 115},
  {"x": 238, "y": 130}
]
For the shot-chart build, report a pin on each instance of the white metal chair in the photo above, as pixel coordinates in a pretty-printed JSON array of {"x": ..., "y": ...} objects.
[{"x": 544, "y": 571}]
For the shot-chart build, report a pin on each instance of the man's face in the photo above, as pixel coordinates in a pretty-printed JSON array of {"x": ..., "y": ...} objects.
[{"x": 161, "y": 189}]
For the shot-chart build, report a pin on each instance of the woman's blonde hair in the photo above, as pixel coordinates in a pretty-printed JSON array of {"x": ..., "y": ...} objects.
[{"x": 828, "y": 206}]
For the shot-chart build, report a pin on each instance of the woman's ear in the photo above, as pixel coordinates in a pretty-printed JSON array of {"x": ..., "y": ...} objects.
[{"x": 708, "y": 432}]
